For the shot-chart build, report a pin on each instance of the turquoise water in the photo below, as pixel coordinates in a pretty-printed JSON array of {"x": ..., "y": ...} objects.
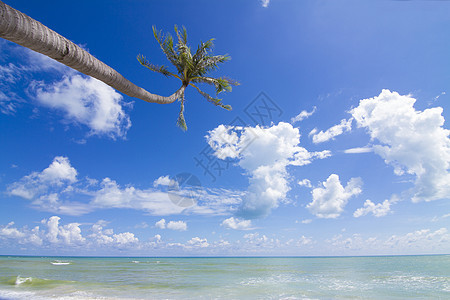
[{"x": 393, "y": 277}]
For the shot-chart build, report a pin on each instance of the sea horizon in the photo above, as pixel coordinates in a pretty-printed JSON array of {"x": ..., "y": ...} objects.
[{"x": 225, "y": 256}]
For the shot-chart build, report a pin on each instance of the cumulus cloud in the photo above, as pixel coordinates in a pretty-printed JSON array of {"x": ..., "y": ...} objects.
[
  {"x": 87, "y": 101},
  {"x": 163, "y": 180},
  {"x": 125, "y": 239},
  {"x": 173, "y": 225},
  {"x": 303, "y": 115},
  {"x": 264, "y": 153},
  {"x": 177, "y": 225},
  {"x": 59, "y": 172},
  {"x": 69, "y": 234},
  {"x": 378, "y": 210},
  {"x": 331, "y": 197},
  {"x": 197, "y": 242},
  {"x": 55, "y": 188},
  {"x": 53, "y": 234},
  {"x": 419, "y": 241},
  {"x": 46, "y": 188},
  {"x": 83, "y": 100},
  {"x": 22, "y": 236},
  {"x": 305, "y": 182},
  {"x": 237, "y": 224},
  {"x": 424, "y": 238},
  {"x": 331, "y": 133},
  {"x": 412, "y": 141},
  {"x": 11, "y": 232},
  {"x": 161, "y": 224}
]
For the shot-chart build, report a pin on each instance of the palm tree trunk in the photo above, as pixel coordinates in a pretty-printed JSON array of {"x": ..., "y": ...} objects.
[{"x": 25, "y": 31}]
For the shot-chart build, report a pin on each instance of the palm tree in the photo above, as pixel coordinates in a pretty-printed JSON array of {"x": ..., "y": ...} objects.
[
  {"x": 191, "y": 68},
  {"x": 19, "y": 28}
]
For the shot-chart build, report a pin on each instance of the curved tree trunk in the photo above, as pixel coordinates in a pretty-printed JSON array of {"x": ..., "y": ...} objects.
[{"x": 25, "y": 31}]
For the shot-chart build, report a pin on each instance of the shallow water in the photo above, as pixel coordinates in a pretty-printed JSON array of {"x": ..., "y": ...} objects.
[{"x": 392, "y": 277}]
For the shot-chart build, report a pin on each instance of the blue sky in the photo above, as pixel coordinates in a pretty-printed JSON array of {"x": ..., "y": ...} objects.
[{"x": 337, "y": 143}]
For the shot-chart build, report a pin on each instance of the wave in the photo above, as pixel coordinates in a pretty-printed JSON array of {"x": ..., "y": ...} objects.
[
  {"x": 61, "y": 263},
  {"x": 18, "y": 295},
  {"x": 35, "y": 282},
  {"x": 145, "y": 262},
  {"x": 22, "y": 280}
]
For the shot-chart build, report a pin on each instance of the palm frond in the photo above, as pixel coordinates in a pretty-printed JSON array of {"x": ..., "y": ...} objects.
[
  {"x": 185, "y": 61},
  {"x": 203, "y": 49},
  {"x": 210, "y": 63},
  {"x": 155, "y": 68},
  {"x": 221, "y": 84},
  {"x": 167, "y": 46},
  {"x": 192, "y": 68},
  {"x": 215, "y": 101},
  {"x": 182, "y": 36}
]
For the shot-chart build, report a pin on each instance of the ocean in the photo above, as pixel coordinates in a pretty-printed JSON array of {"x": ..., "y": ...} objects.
[{"x": 382, "y": 277}]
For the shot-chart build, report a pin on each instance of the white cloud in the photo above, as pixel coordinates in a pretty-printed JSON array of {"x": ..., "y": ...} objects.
[
  {"x": 158, "y": 202},
  {"x": 330, "y": 199},
  {"x": 161, "y": 224},
  {"x": 125, "y": 239},
  {"x": 265, "y": 154},
  {"x": 358, "y": 150},
  {"x": 304, "y": 241},
  {"x": 59, "y": 172},
  {"x": 100, "y": 236},
  {"x": 197, "y": 242},
  {"x": 46, "y": 188},
  {"x": 331, "y": 133},
  {"x": 177, "y": 225},
  {"x": 255, "y": 238},
  {"x": 8, "y": 103},
  {"x": 412, "y": 141},
  {"x": 436, "y": 218},
  {"x": 54, "y": 189},
  {"x": 24, "y": 236},
  {"x": 87, "y": 101},
  {"x": 237, "y": 224},
  {"x": 303, "y": 115},
  {"x": 424, "y": 239},
  {"x": 9, "y": 232},
  {"x": 265, "y": 3},
  {"x": 173, "y": 225},
  {"x": 256, "y": 243},
  {"x": 106, "y": 237},
  {"x": 111, "y": 195},
  {"x": 305, "y": 183},
  {"x": 416, "y": 242},
  {"x": 69, "y": 234},
  {"x": 37, "y": 185},
  {"x": 378, "y": 210},
  {"x": 163, "y": 180},
  {"x": 83, "y": 100}
]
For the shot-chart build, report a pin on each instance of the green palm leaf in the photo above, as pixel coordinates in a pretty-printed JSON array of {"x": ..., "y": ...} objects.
[
  {"x": 191, "y": 68},
  {"x": 155, "y": 68}
]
